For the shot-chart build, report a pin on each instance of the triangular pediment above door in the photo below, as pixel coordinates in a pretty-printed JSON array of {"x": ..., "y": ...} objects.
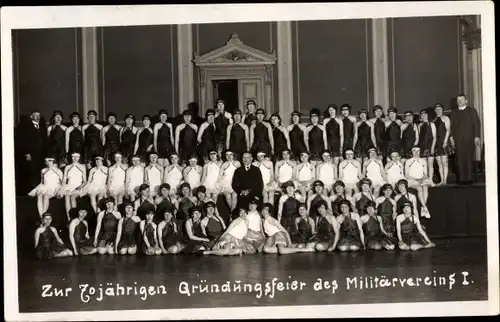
[{"x": 235, "y": 52}]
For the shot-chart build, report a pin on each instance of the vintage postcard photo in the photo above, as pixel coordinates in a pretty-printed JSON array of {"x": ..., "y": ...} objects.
[{"x": 249, "y": 161}]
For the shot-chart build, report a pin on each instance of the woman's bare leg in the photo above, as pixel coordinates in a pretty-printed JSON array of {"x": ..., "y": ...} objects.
[{"x": 40, "y": 204}]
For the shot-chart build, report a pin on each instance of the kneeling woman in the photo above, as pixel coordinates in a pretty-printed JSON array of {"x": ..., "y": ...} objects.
[
  {"x": 411, "y": 234},
  {"x": 212, "y": 225},
  {"x": 48, "y": 244},
  {"x": 373, "y": 228},
  {"x": 197, "y": 240},
  {"x": 107, "y": 225},
  {"x": 278, "y": 240},
  {"x": 351, "y": 231},
  {"x": 327, "y": 230},
  {"x": 79, "y": 235},
  {"x": 169, "y": 235},
  {"x": 127, "y": 234},
  {"x": 304, "y": 229},
  {"x": 150, "y": 245}
]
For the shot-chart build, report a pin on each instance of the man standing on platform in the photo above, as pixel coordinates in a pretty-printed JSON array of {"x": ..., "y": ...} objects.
[
  {"x": 465, "y": 137},
  {"x": 247, "y": 182}
]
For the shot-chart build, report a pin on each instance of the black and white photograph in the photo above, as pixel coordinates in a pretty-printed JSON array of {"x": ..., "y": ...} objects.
[{"x": 249, "y": 161}]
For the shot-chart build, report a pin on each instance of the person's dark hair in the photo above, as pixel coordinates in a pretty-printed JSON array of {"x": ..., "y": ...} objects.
[
  {"x": 344, "y": 202},
  {"x": 367, "y": 205}
]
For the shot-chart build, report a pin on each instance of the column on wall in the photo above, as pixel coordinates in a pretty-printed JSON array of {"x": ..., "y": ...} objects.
[
  {"x": 90, "y": 84},
  {"x": 380, "y": 63},
  {"x": 285, "y": 71},
  {"x": 185, "y": 65}
]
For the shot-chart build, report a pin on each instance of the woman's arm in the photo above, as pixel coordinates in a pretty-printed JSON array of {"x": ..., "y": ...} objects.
[
  {"x": 172, "y": 137},
  {"x": 280, "y": 208},
  {"x": 56, "y": 235},
  {"x": 336, "y": 230},
  {"x": 72, "y": 227},
  {"x": 37, "y": 236},
  {"x": 159, "y": 235},
  {"x": 228, "y": 135},
  {"x": 361, "y": 233},
  {"x": 136, "y": 146},
  {"x": 98, "y": 227},
  {"x": 287, "y": 137},
  {"x": 66, "y": 138},
  {"x": 118, "y": 234},
  {"x": 398, "y": 230},
  {"x": 155, "y": 136}
]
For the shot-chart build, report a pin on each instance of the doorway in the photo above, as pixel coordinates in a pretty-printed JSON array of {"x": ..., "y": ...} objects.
[{"x": 227, "y": 90}]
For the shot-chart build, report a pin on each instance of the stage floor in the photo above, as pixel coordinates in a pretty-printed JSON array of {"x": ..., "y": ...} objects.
[{"x": 449, "y": 257}]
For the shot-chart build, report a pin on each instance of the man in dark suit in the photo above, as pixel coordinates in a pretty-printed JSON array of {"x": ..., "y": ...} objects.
[
  {"x": 247, "y": 182},
  {"x": 30, "y": 143}
]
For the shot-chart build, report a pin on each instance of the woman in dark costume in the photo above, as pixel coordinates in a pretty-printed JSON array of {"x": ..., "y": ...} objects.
[
  {"x": 222, "y": 120},
  {"x": 297, "y": 134},
  {"x": 427, "y": 141},
  {"x": 376, "y": 237},
  {"x": 365, "y": 137},
  {"x": 334, "y": 128},
  {"x": 186, "y": 135},
  {"x": 186, "y": 202},
  {"x": 238, "y": 136},
  {"x": 250, "y": 118},
  {"x": 386, "y": 209},
  {"x": 107, "y": 226},
  {"x": 164, "y": 201},
  {"x": 111, "y": 139},
  {"x": 351, "y": 231},
  {"x": 316, "y": 199},
  {"x": 348, "y": 122},
  {"x": 409, "y": 136},
  {"x": 56, "y": 139},
  {"x": 144, "y": 141},
  {"x": 393, "y": 132},
  {"x": 261, "y": 135},
  {"x": 163, "y": 138},
  {"x": 327, "y": 230},
  {"x": 212, "y": 224},
  {"x": 48, "y": 244},
  {"x": 338, "y": 195},
  {"x": 288, "y": 207},
  {"x": 169, "y": 237},
  {"x": 364, "y": 195},
  {"x": 207, "y": 136},
  {"x": 280, "y": 137},
  {"x": 92, "y": 138},
  {"x": 150, "y": 245},
  {"x": 127, "y": 235},
  {"x": 411, "y": 234},
  {"x": 379, "y": 129},
  {"x": 442, "y": 124},
  {"x": 79, "y": 235},
  {"x": 316, "y": 137},
  {"x": 74, "y": 138},
  {"x": 304, "y": 228},
  {"x": 144, "y": 203},
  {"x": 128, "y": 136},
  {"x": 197, "y": 240},
  {"x": 403, "y": 195}
]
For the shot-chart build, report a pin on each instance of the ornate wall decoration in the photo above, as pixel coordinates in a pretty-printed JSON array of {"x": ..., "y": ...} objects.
[{"x": 471, "y": 34}]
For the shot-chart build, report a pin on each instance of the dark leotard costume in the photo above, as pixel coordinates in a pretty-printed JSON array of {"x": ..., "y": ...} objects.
[
  {"x": 385, "y": 210},
  {"x": 401, "y": 201},
  {"x": 380, "y": 138},
  {"x": 289, "y": 213},
  {"x": 348, "y": 133},
  {"x": 237, "y": 140},
  {"x": 440, "y": 136},
  {"x": 280, "y": 143},
  {"x": 194, "y": 246},
  {"x": 48, "y": 246},
  {"x": 316, "y": 143},
  {"x": 170, "y": 237},
  {"x": 364, "y": 142},
  {"x": 93, "y": 144},
  {"x": 425, "y": 140},
  {"x": 261, "y": 142},
  {"x": 214, "y": 230},
  {"x": 393, "y": 132},
  {"x": 164, "y": 144},
  {"x": 221, "y": 124},
  {"x": 314, "y": 206},
  {"x": 362, "y": 202},
  {"x": 304, "y": 233},
  {"x": 107, "y": 234},
  {"x": 161, "y": 207},
  {"x": 56, "y": 144},
  {"x": 410, "y": 234},
  {"x": 333, "y": 137},
  {"x": 112, "y": 143},
  {"x": 325, "y": 232},
  {"x": 408, "y": 140},
  {"x": 336, "y": 204},
  {"x": 127, "y": 144},
  {"x": 129, "y": 233},
  {"x": 144, "y": 208},
  {"x": 297, "y": 143},
  {"x": 76, "y": 143},
  {"x": 349, "y": 233},
  {"x": 183, "y": 214},
  {"x": 187, "y": 143},
  {"x": 373, "y": 233},
  {"x": 145, "y": 140},
  {"x": 149, "y": 233},
  {"x": 208, "y": 141},
  {"x": 249, "y": 119},
  {"x": 83, "y": 245}
]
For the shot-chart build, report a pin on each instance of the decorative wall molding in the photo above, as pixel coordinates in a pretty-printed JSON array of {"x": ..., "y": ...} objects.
[{"x": 471, "y": 32}]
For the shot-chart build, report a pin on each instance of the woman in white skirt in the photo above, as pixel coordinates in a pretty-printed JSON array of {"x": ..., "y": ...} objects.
[
  {"x": 267, "y": 171},
  {"x": 305, "y": 175},
  {"x": 75, "y": 177},
  {"x": 394, "y": 169},
  {"x": 192, "y": 172},
  {"x": 116, "y": 179},
  {"x": 373, "y": 169},
  {"x": 96, "y": 185},
  {"x": 350, "y": 172},
  {"x": 326, "y": 172},
  {"x": 134, "y": 178},
  {"x": 226, "y": 178},
  {"x": 153, "y": 175},
  {"x": 49, "y": 187},
  {"x": 284, "y": 170},
  {"x": 416, "y": 172},
  {"x": 210, "y": 175},
  {"x": 173, "y": 174}
]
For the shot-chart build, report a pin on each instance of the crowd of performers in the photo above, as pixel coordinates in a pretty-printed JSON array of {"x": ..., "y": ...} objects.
[{"x": 343, "y": 184}]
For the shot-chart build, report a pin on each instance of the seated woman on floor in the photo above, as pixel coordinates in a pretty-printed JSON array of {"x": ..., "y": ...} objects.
[
  {"x": 169, "y": 235},
  {"x": 212, "y": 225},
  {"x": 107, "y": 225},
  {"x": 327, "y": 230},
  {"x": 304, "y": 229},
  {"x": 386, "y": 208},
  {"x": 48, "y": 244},
  {"x": 185, "y": 203},
  {"x": 278, "y": 240},
  {"x": 79, "y": 235},
  {"x": 127, "y": 233},
  {"x": 411, "y": 234},
  {"x": 376, "y": 236},
  {"x": 232, "y": 240},
  {"x": 351, "y": 231},
  {"x": 288, "y": 206},
  {"x": 150, "y": 245},
  {"x": 197, "y": 241}
]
